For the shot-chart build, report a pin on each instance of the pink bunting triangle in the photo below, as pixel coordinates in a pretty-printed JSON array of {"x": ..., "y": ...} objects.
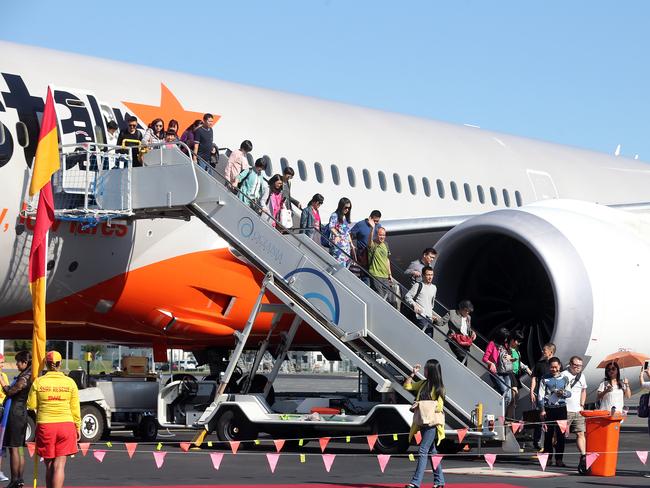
[
  {"x": 435, "y": 460},
  {"x": 372, "y": 438},
  {"x": 490, "y": 459},
  {"x": 591, "y": 458},
  {"x": 99, "y": 455},
  {"x": 563, "y": 425},
  {"x": 461, "y": 434},
  {"x": 418, "y": 437},
  {"x": 83, "y": 446},
  {"x": 279, "y": 444},
  {"x": 185, "y": 446},
  {"x": 130, "y": 448},
  {"x": 516, "y": 426},
  {"x": 643, "y": 456},
  {"x": 31, "y": 447},
  {"x": 328, "y": 459},
  {"x": 323, "y": 441},
  {"x": 272, "y": 458},
  {"x": 216, "y": 458},
  {"x": 383, "y": 461},
  {"x": 234, "y": 446},
  {"x": 542, "y": 457},
  {"x": 159, "y": 458}
]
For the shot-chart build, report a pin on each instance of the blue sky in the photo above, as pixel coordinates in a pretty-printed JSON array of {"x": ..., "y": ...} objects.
[{"x": 570, "y": 72}]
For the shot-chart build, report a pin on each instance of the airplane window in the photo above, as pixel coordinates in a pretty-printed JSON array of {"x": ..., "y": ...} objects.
[
  {"x": 366, "y": 179},
  {"x": 23, "y": 135},
  {"x": 468, "y": 192},
  {"x": 441, "y": 188},
  {"x": 336, "y": 178},
  {"x": 283, "y": 163},
  {"x": 302, "y": 170},
  {"x": 493, "y": 195},
  {"x": 319, "y": 172},
  {"x": 506, "y": 197},
  {"x": 412, "y": 186},
  {"x": 99, "y": 135},
  {"x": 352, "y": 177},
  {"x": 398, "y": 183},
  {"x": 518, "y": 198},
  {"x": 71, "y": 102},
  {"x": 269, "y": 165},
  {"x": 481, "y": 194},
  {"x": 2, "y": 134},
  {"x": 426, "y": 186},
  {"x": 382, "y": 180},
  {"x": 454, "y": 190}
]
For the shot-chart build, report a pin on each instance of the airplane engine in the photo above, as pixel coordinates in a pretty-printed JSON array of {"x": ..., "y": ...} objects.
[{"x": 573, "y": 273}]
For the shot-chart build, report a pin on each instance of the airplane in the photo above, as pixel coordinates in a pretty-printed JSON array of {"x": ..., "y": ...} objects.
[{"x": 550, "y": 239}]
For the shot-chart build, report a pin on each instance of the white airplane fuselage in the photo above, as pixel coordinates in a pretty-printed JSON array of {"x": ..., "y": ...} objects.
[{"x": 413, "y": 170}]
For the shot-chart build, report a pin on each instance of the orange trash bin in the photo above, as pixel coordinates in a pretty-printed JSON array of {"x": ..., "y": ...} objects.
[{"x": 603, "y": 430}]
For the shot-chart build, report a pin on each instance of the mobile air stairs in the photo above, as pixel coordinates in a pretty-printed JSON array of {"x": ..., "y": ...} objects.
[{"x": 313, "y": 286}]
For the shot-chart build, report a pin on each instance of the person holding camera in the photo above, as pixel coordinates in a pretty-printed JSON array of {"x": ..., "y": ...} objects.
[
  {"x": 644, "y": 381},
  {"x": 612, "y": 392},
  {"x": 556, "y": 390}
]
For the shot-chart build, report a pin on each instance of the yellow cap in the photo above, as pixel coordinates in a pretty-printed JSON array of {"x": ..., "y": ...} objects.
[{"x": 53, "y": 357}]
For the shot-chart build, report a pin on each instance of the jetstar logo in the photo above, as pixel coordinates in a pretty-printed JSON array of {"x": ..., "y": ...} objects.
[
  {"x": 169, "y": 108},
  {"x": 83, "y": 119}
]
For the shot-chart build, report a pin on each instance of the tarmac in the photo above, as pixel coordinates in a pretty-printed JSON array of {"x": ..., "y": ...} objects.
[
  {"x": 108, "y": 464},
  {"x": 353, "y": 466}
]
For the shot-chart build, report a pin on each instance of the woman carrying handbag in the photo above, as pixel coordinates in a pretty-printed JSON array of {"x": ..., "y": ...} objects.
[{"x": 428, "y": 418}]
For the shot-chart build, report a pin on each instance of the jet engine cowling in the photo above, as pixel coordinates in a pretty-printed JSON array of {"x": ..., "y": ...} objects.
[{"x": 573, "y": 273}]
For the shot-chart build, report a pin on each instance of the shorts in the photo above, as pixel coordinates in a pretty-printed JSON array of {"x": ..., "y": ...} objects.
[
  {"x": 575, "y": 422},
  {"x": 56, "y": 439}
]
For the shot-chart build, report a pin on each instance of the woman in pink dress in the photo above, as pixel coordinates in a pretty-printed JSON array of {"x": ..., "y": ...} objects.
[{"x": 272, "y": 199}]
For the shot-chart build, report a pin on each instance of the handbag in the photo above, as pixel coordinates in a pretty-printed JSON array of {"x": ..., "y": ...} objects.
[
  {"x": 424, "y": 413},
  {"x": 642, "y": 412},
  {"x": 461, "y": 339},
  {"x": 286, "y": 218}
]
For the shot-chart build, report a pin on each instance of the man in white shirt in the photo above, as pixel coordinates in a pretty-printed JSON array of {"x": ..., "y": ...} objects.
[
  {"x": 422, "y": 297},
  {"x": 574, "y": 405}
]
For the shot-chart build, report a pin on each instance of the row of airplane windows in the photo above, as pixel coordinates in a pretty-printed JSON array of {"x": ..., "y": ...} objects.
[
  {"x": 319, "y": 172},
  {"x": 382, "y": 179}
]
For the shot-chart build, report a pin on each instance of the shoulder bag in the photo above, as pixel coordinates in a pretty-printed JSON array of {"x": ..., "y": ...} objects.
[{"x": 425, "y": 414}]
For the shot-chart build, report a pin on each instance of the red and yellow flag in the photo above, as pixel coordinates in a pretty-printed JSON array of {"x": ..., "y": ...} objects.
[{"x": 46, "y": 163}]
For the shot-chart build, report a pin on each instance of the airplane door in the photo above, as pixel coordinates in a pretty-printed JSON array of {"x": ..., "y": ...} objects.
[
  {"x": 542, "y": 184},
  {"x": 79, "y": 116},
  {"x": 80, "y": 123}
]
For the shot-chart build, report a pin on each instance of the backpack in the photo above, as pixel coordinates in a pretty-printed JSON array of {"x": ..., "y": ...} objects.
[
  {"x": 240, "y": 183},
  {"x": 643, "y": 406},
  {"x": 325, "y": 236},
  {"x": 407, "y": 311}
]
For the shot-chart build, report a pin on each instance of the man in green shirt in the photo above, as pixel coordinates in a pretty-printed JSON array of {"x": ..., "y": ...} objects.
[{"x": 379, "y": 262}]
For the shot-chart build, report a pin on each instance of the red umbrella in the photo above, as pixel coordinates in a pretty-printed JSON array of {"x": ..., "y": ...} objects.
[{"x": 625, "y": 359}]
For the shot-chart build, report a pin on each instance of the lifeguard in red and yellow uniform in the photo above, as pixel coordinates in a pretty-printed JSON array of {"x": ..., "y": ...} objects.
[{"x": 55, "y": 398}]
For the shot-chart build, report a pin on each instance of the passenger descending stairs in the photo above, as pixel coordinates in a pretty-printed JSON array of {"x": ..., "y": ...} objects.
[{"x": 326, "y": 295}]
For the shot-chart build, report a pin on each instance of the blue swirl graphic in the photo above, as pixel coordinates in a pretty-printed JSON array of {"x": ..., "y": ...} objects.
[
  {"x": 246, "y": 227},
  {"x": 335, "y": 309}
]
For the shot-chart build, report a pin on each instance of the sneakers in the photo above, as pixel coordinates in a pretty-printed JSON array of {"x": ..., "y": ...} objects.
[
  {"x": 3, "y": 477},
  {"x": 559, "y": 463}
]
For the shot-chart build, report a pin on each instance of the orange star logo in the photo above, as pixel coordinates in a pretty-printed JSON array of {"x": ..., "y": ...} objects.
[{"x": 170, "y": 108}]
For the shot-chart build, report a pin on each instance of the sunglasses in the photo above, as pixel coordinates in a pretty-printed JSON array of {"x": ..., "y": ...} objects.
[
  {"x": 133, "y": 125},
  {"x": 613, "y": 368},
  {"x": 347, "y": 208}
]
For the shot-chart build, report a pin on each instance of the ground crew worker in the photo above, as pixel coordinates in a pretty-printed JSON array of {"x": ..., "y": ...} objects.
[{"x": 55, "y": 398}]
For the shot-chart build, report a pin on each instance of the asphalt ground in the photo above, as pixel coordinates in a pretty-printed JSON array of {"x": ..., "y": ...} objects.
[{"x": 354, "y": 466}]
